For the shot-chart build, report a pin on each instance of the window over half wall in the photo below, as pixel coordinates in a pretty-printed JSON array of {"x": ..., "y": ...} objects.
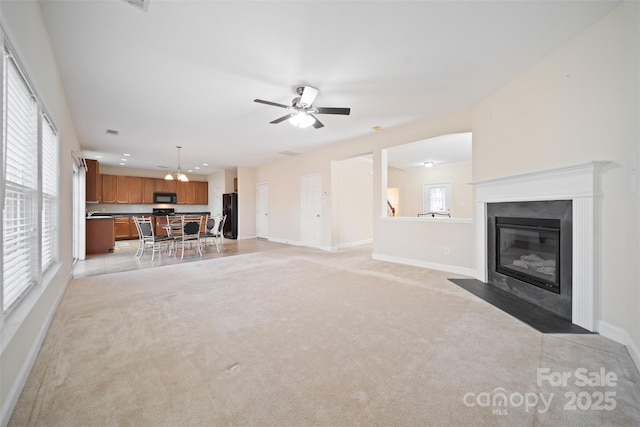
[{"x": 430, "y": 175}]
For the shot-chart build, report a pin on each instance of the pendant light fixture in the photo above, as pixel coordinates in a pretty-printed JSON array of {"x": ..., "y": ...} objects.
[{"x": 177, "y": 173}]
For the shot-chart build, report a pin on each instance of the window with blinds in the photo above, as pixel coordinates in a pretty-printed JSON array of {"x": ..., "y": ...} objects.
[
  {"x": 49, "y": 237},
  {"x": 29, "y": 210}
]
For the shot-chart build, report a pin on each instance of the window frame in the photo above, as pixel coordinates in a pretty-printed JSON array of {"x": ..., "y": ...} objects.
[
  {"x": 43, "y": 242},
  {"x": 426, "y": 197}
]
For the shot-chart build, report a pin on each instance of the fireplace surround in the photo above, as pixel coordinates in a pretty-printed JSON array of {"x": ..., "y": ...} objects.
[
  {"x": 579, "y": 184},
  {"x": 529, "y": 250}
]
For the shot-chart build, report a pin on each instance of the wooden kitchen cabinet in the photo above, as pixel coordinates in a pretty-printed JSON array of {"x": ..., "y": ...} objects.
[
  {"x": 133, "y": 230},
  {"x": 186, "y": 192},
  {"x": 202, "y": 192},
  {"x": 122, "y": 189},
  {"x": 100, "y": 238},
  {"x": 92, "y": 190},
  {"x": 121, "y": 228},
  {"x": 134, "y": 189},
  {"x": 109, "y": 188},
  {"x": 148, "y": 188},
  {"x": 164, "y": 186}
]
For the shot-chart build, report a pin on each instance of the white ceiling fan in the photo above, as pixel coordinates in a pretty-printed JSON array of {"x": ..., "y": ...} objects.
[{"x": 303, "y": 111}]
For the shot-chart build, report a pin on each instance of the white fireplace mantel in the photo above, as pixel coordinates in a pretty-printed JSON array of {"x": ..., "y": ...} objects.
[{"x": 578, "y": 183}]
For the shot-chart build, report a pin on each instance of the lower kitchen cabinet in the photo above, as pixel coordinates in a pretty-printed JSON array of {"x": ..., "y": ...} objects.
[
  {"x": 100, "y": 236},
  {"x": 122, "y": 228}
]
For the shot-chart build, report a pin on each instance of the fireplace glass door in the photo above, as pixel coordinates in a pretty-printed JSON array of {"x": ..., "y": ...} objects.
[{"x": 528, "y": 249}]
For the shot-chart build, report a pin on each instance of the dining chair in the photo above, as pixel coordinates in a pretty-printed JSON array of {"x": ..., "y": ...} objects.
[
  {"x": 147, "y": 237},
  {"x": 212, "y": 223},
  {"x": 218, "y": 233},
  {"x": 189, "y": 234}
]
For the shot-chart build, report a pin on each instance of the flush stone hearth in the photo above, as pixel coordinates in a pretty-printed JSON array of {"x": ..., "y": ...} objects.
[{"x": 579, "y": 184}]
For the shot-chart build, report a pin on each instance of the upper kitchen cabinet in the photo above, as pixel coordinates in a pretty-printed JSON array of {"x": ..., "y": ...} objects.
[
  {"x": 202, "y": 192},
  {"x": 165, "y": 186},
  {"x": 93, "y": 182},
  {"x": 134, "y": 189},
  {"x": 186, "y": 192},
  {"x": 148, "y": 188},
  {"x": 109, "y": 185},
  {"x": 122, "y": 189}
]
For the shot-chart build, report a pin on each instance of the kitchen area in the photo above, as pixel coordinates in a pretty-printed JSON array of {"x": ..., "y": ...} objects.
[{"x": 113, "y": 200}]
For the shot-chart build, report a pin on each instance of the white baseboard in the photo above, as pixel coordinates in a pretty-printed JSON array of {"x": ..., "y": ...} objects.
[
  {"x": 621, "y": 336},
  {"x": 284, "y": 241},
  {"x": 354, "y": 244},
  {"x": 425, "y": 264}
]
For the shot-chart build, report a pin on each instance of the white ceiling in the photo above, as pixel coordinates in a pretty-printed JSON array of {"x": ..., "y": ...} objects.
[
  {"x": 441, "y": 150},
  {"x": 186, "y": 72}
]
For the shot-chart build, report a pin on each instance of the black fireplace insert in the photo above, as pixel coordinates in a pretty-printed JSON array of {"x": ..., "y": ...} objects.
[{"x": 528, "y": 249}]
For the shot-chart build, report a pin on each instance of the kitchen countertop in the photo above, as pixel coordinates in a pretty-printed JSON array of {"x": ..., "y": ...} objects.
[{"x": 111, "y": 215}]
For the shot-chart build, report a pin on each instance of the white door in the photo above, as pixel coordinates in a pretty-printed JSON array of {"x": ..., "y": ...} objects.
[
  {"x": 310, "y": 209},
  {"x": 262, "y": 211}
]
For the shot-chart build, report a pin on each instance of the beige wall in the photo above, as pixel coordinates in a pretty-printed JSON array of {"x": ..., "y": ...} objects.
[
  {"x": 246, "y": 203},
  {"x": 284, "y": 175},
  {"x": 578, "y": 105},
  {"x": 25, "y": 327},
  {"x": 354, "y": 204}
]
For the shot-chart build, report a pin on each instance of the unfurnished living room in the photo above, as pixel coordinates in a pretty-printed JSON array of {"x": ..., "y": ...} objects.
[{"x": 334, "y": 213}]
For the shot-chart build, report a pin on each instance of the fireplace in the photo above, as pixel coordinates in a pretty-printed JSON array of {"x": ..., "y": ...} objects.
[
  {"x": 576, "y": 184},
  {"x": 529, "y": 247}
]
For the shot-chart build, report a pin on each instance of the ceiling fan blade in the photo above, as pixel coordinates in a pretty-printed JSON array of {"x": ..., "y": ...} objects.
[
  {"x": 283, "y": 118},
  {"x": 330, "y": 110},
  {"x": 308, "y": 96},
  {"x": 275, "y": 104},
  {"x": 317, "y": 124}
]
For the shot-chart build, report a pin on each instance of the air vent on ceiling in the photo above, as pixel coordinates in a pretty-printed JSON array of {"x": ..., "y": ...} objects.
[
  {"x": 140, "y": 4},
  {"x": 111, "y": 132},
  {"x": 289, "y": 153}
]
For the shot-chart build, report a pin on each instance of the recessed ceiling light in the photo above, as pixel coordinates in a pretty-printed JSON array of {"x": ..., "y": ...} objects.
[
  {"x": 121, "y": 164},
  {"x": 124, "y": 160},
  {"x": 126, "y": 154},
  {"x": 98, "y": 157},
  {"x": 197, "y": 167},
  {"x": 429, "y": 164},
  {"x": 205, "y": 164}
]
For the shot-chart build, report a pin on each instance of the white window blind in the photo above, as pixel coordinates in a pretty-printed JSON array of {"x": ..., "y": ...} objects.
[
  {"x": 49, "y": 236},
  {"x": 20, "y": 154}
]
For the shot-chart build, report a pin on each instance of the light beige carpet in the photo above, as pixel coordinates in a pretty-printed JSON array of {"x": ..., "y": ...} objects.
[{"x": 297, "y": 337}]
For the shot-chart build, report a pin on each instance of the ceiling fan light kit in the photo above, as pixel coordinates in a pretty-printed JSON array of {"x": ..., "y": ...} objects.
[
  {"x": 302, "y": 120},
  {"x": 177, "y": 174},
  {"x": 303, "y": 111}
]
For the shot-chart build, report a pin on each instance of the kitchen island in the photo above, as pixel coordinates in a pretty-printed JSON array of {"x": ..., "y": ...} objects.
[{"x": 101, "y": 238}]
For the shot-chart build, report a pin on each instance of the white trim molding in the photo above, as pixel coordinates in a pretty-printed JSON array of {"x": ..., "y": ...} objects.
[{"x": 578, "y": 183}]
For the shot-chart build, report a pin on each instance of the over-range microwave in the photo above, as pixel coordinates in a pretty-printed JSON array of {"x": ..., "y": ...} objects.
[{"x": 165, "y": 198}]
